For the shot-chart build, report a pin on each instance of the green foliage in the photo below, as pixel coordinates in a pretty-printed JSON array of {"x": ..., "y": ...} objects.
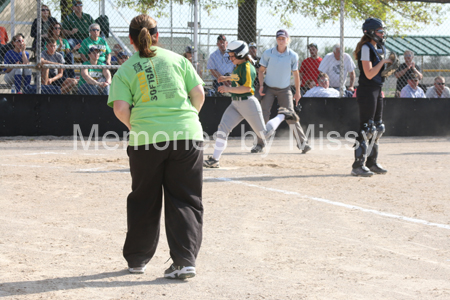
[{"x": 396, "y": 14}]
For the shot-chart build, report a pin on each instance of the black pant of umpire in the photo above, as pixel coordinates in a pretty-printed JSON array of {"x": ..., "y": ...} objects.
[{"x": 178, "y": 170}]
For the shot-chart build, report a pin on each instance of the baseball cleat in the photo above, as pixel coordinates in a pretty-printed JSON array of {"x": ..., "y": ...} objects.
[
  {"x": 306, "y": 149},
  {"x": 211, "y": 163},
  {"x": 288, "y": 115},
  {"x": 179, "y": 272},
  {"x": 138, "y": 270},
  {"x": 377, "y": 169},
  {"x": 362, "y": 171},
  {"x": 257, "y": 149}
]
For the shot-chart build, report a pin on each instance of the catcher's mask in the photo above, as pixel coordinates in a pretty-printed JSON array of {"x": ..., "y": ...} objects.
[
  {"x": 239, "y": 48},
  {"x": 370, "y": 26}
]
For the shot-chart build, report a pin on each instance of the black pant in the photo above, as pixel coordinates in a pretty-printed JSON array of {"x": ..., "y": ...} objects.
[
  {"x": 180, "y": 174},
  {"x": 370, "y": 104}
]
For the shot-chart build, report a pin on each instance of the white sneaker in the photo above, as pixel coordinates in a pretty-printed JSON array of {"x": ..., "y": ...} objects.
[{"x": 138, "y": 270}]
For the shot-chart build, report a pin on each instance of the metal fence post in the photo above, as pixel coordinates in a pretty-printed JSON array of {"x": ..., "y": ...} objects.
[
  {"x": 196, "y": 35},
  {"x": 342, "y": 76},
  {"x": 38, "y": 46}
]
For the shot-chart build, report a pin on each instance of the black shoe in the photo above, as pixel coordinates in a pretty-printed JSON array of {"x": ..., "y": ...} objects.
[
  {"x": 362, "y": 171},
  {"x": 377, "y": 169},
  {"x": 179, "y": 272},
  {"x": 211, "y": 163},
  {"x": 257, "y": 149}
]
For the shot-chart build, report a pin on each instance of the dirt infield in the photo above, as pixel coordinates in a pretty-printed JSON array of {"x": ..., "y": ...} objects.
[{"x": 287, "y": 226}]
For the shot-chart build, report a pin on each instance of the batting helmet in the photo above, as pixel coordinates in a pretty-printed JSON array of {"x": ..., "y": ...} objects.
[
  {"x": 239, "y": 48},
  {"x": 369, "y": 27}
]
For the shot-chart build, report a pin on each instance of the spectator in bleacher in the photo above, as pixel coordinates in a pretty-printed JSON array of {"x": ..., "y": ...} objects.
[
  {"x": 3, "y": 36},
  {"x": 95, "y": 39},
  {"x": 3, "y": 42},
  {"x": 46, "y": 21},
  {"x": 122, "y": 57},
  {"x": 76, "y": 25},
  {"x": 18, "y": 55},
  {"x": 412, "y": 89},
  {"x": 219, "y": 63},
  {"x": 188, "y": 54},
  {"x": 439, "y": 90},
  {"x": 309, "y": 69},
  {"x": 405, "y": 70},
  {"x": 323, "y": 90},
  {"x": 94, "y": 81},
  {"x": 63, "y": 47},
  {"x": 115, "y": 51},
  {"x": 55, "y": 76},
  {"x": 331, "y": 65}
]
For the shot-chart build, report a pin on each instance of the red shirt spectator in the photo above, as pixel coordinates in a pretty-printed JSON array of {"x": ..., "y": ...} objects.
[
  {"x": 3, "y": 36},
  {"x": 309, "y": 69}
]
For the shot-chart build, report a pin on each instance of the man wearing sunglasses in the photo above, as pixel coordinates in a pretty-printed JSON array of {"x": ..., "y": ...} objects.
[
  {"x": 439, "y": 90},
  {"x": 412, "y": 89},
  {"x": 94, "y": 39},
  {"x": 76, "y": 25},
  {"x": 405, "y": 70}
]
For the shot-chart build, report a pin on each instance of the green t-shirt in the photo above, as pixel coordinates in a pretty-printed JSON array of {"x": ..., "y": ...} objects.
[
  {"x": 158, "y": 88},
  {"x": 72, "y": 21},
  {"x": 94, "y": 73},
  {"x": 100, "y": 43},
  {"x": 244, "y": 74},
  {"x": 65, "y": 45}
]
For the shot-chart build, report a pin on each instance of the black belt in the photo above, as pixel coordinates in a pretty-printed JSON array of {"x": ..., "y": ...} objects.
[{"x": 239, "y": 98}]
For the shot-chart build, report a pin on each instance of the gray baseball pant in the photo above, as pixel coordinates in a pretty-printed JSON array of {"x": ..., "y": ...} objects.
[
  {"x": 251, "y": 111},
  {"x": 285, "y": 99}
]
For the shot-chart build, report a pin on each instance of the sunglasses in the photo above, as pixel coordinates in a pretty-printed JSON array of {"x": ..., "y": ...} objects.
[
  {"x": 95, "y": 29},
  {"x": 440, "y": 83},
  {"x": 45, "y": 9},
  {"x": 380, "y": 31},
  {"x": 323, "y": 80},
  {"x": 408, "y": 55},
  {"x": 57, "y": 28}
]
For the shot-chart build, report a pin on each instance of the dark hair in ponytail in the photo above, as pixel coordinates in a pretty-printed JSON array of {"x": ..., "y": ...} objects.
[
  {"x": 143, "y": 33},
  {"x": 361, "y": 43}
]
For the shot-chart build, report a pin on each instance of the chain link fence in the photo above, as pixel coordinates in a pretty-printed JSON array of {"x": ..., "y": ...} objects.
[{"x": 253, "y": 22}]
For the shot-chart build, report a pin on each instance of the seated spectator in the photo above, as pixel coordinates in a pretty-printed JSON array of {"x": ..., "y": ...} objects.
[
  {"x": 94, "y": 81},
  {"x": 55, "y": 77},
  {"x": 122, "y": 57},
  {"x": 406, "y": 69},
  {"x": 115, "y": 51},
  {"x": 309, "y": 69},
  {"x": 3, "y": 36},
  {"x": 46, "y": 21},
  {"x": 18, "y": 55},
  {"x": 76, "y": 25},
  {"x": 331, "y": 65},
  {"x": 323, "y": 90},
  {"x": 95, "y": 39},
  {"x": 188, "y": 54},
  {"x": 3, "y": 41},
  {"x": 63, "y": 47},
  {"x": 439, "y": 90},
  {"x": 412, "y": 89}
]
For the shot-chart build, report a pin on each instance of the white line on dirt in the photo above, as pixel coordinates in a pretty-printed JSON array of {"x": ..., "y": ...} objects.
[{"x": 373, "y": 211}]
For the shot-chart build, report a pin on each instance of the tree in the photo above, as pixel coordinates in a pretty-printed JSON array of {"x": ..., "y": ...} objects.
[
  {"x": 398, "y": 15},
  {"x": 247, "y": 21}
]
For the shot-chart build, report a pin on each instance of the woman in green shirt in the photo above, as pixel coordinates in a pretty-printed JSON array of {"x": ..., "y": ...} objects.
[{"x": 165, "y": 150}]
